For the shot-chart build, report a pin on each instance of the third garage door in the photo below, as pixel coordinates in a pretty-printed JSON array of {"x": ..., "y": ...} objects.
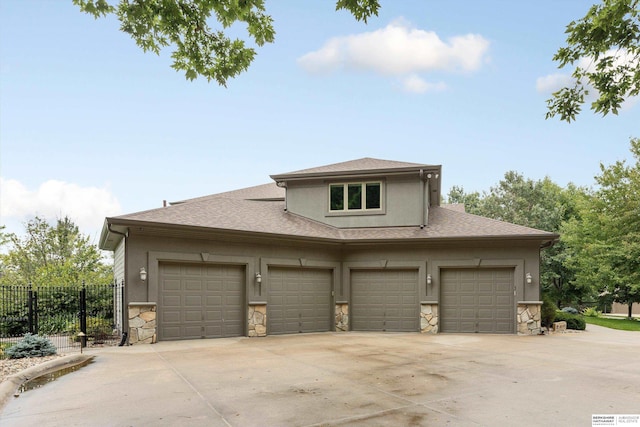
[
  {"x": 385, "y": 300},
  {"x": 299, "y": 300},
  {"x": 477, "y": 300}
]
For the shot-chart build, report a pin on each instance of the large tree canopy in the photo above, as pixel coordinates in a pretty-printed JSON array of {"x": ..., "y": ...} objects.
[
  {"x": 604, "y": 238},
  {"x": 200, "y": 50},
  {"x": 538, "y": 204},
  {"x": 51, "y": 255},
  {"x": 604, "y": 46}
]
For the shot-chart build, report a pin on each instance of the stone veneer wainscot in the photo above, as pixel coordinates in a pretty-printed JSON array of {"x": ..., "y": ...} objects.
[
  {"x": 257, "y": 320},
  {"x": 142, "y": 323},
  {"x": 342, "y": 317},
  {"x": 429, "y": 318},
  {"x": 529, "y": 317}
]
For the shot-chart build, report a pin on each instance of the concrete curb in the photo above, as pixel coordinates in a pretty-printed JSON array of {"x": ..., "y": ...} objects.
[{"x": 10, "y": 385}]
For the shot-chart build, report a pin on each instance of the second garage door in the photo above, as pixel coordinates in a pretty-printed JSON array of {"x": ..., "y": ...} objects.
[
  {"x": 477, "y": 300},
  {"x": 200, "y": 301},
  {"x": 385, "y": 300},
  {"x": 299, "y": 300}
]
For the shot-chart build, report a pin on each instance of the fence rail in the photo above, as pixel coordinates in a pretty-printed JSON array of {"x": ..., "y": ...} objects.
[{"x": 61, "y": 313}]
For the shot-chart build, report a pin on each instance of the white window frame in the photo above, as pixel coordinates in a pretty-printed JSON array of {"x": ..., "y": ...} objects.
[{"x": 363, "y": 184}]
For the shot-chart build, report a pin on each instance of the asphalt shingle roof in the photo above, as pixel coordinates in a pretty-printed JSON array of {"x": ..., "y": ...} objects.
[{"x": 269, "y": 217}]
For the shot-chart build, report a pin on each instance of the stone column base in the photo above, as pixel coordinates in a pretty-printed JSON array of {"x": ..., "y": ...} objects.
[
  {"x": 142, "y": 323},
  {"x": 529, "y": 319},
  {"x": 257, "y": 320},
  {"x": 429, "y": 318},
  {"x": 342, "y": 317}
]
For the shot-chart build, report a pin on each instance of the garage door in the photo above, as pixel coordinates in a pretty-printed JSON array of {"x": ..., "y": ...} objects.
[
  {"x": 385, "y": 300},
  {"x": 299, "y": 300},
  {"x": 477, "y": 300},
  {"x": 200, "y": 301}
]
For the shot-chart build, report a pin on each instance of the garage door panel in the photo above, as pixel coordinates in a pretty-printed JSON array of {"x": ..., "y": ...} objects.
[
  {"x": 504, "y": 288},
  {"x": 503, "y": 300},
  {"x": 200, "y": 301},
  {"x": 489, "y": 308},
  {"x": 384, "y": 300}
]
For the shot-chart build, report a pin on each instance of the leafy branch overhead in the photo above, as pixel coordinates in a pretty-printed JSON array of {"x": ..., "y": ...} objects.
[
  {"x": 604, "y": 46},
  {"x": 200, "y": 50}
]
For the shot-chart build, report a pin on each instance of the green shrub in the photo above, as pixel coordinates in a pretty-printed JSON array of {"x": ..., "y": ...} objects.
[
  {"x": 548, "y": 311},
  {"x": 31, "y": 346},
  {"x": 53, "y": 325},
  {"x": 574, "y": 321},
  {"x": 591, "y": 312}
]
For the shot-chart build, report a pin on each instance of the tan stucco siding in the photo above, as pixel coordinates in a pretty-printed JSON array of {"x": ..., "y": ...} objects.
[{"x": 401, "y": 204}]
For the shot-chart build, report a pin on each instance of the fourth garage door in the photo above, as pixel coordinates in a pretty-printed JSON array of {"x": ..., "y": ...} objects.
[
  {"x": 299, "y": 300},
  {"x": 385, "y": 300},
  {"x": 477, "y": 300}
]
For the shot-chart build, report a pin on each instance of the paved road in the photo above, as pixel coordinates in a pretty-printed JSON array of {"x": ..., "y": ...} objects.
[{"x": 361, "y": 379}]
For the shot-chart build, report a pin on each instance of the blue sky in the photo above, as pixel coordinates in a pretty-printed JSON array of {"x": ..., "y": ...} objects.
[{"x": 90, "y": 126}]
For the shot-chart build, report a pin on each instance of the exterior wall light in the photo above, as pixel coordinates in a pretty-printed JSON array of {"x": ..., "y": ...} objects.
[
  {"x": 143, "y": 274},
  {"x": 529, "y": 278},
  {"x": 428, "y": 279},
  {"x": 258, "y": 278}
]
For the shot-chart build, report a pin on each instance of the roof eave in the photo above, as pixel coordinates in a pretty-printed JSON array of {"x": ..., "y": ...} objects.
[{"x": 356, "y": 173}]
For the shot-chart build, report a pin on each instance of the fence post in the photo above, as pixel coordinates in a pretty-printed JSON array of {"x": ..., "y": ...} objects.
[
  {"x": 36, "y": 318},
  {"x": 30, "y": 308},
  {"x": 83, "y": 316}
]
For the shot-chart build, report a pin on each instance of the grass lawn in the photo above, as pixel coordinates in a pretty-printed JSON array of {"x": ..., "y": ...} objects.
[{"x": 623, "y": 324}]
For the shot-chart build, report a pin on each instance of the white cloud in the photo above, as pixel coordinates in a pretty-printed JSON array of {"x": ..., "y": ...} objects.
[
  {"x": 85, "y": 206},
  {"x": 554, "y": 82},
  {"x": 398, "y": 50},
  {"x": 415, "y": 84}
]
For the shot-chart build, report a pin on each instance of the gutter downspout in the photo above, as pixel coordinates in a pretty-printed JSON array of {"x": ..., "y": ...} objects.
[
  {"x": 283, "y": 184},
  {"x": 125, "y": 318},
  {"x": 423, "y": 219},
  {"x": 424, "y": 185}
]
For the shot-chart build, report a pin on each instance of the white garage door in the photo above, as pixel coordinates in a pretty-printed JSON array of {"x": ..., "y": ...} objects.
[
  {"x": 200, "y": 301},
  {"x": 477, "y": 300},
  {"x": 384, "y": 300},
  {"x": 299, "y": 300}
]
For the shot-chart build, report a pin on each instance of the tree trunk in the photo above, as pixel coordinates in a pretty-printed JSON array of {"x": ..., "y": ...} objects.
[{"x": 630, "y": 309}]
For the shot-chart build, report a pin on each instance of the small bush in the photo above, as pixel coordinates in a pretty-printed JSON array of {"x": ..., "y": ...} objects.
[
  {"x": 574, "y": 321},
  {"x": 570, "y": 310},
  {"x": 548, "y": 311},
  {"x": 591, "y": 312},
  {"x": 31, "y": 346}
]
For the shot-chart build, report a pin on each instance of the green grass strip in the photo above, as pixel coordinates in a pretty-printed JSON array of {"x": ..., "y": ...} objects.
[{"x": 622, "y": 324}]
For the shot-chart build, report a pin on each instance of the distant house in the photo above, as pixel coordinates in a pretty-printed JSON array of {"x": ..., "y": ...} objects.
[
  {"x": 623, "y": 309},
  {"x": 362, "y": 245}
]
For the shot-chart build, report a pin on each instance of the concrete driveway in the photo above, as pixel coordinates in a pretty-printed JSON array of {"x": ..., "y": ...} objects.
[{"x": 372, "y": 379}]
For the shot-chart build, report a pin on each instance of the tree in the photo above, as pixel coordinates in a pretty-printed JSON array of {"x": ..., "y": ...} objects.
[
  {"x": 605, "y": 44},
  {"x": 200, "y": 50},
  {"x": 537, "y": 204},
  {"x": 604, "y": 239},
  {"x": 52, "y": 255}
]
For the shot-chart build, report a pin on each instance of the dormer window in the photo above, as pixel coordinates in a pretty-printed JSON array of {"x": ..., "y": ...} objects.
[{"x": 355, "y": 196}]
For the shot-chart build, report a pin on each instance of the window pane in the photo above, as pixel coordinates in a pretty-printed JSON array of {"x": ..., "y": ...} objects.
[
  {"x": 337, "y": 197},
  {"x": 355, "y": 196},
  {"x": 373, "y": 196}
]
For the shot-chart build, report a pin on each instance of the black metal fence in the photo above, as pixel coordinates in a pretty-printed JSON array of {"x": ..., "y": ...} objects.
[{"x": 68, "y": 315}]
